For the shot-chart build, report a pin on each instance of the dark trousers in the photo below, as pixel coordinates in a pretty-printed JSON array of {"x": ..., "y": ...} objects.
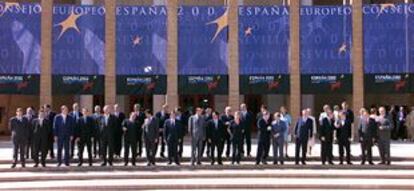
[
  {"x": 63, "y": 144},
  {"x": 95, "y": 145},
  {"x": 196, "y": 147},
  {"x": 139, "y": 144},
  {"x": 72, "y": 147},
  {"x": 248, "y": 139},
  {"x": 208, "y": 145},
  {"x": 29, "y": 148},
  {"x": 326, "y": 151},
  {"x": 344, "y": 146},
  {"x": 19, "y": 149},
  {"x": 172, "y": 151},
  {"x": 42, "y": 147},
  {"x": 366, "y": 151},
  {"x": 81, "y": 147},
  {"x": 181, "y": 147},
  {"x": 107, "y": 150},
  {"x": 261, "y": 150},
  {"x": 228, "y": 145},
  {"x": 384, "y": 150},
  {"x": 219, "y": 146},
  {"x": 51, "y": 142},
  {"x": 130, "y": 145},
  {"x": 118, "y": 144},
  {"x": 237, "y": 149},
  {"x": 150, "y": 148},
  {"x": 161, "y": 139},
  {"x": 278, "y": 151},
  {"x": 301, "y": 144}
]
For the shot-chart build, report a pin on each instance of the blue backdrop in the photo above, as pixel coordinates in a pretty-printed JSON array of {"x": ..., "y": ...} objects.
[
  {"x": 263, "y": 39},
  {"x": 78, "y": 40},
  {"x": 20, "y": 50},
  {"x": 202, "y": 40},
  {"x": 326, "y": 36}
]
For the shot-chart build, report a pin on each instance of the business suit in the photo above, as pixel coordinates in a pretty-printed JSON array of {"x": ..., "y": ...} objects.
[
  {"x": 107, "y": 132},
  {"x": 20, "y": 133},
  {"x": 118, "y": 133},
  {"x": 140, "y": 118},
  {"x": 41, "y": 132},
  {"x": 247, "y": 120},
  {"x": 278, "y": 136},
  {"x": 172, "y": 133},
  {"x": 343, "y": 134},
  {"x": 197, "y": 129},
  {"x": 50, "y": 116},
  {"x": 162, "y": 117},
  {"x": 131, "y": 133},
  {"x": 303, "y": 131},
  {"x": 384, "y": 140},
  {"x": 227, "y": 118},
  {"x": 97, "y": 117},
  {"x": 184, "y": 122},
  {"x": 150, "y": 128},
  {"x": 263, "y": 138},
  {"x": 76, "y": 115},
  {"x": 216, "y": 134},
  {"x": 205, "y": 142},
  {"x": 29, "y": 147},
  {"x": 236, "y": 130},
  {"x": 85, "y": 132},
  {"x": 63, "y": 129},
  {"x": 326, "y": 132},
  {"x": 367, "y": 133}
]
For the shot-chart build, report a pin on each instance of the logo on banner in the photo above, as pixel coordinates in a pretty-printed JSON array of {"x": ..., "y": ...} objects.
[
  {"x": 211, "y": 81},
  {"x": 399, "y": 81},
  {"x": 221, "y": 22},
  {"x": 18, "y": 81},
  {"x": 333, "y": 81},
  {"x": 69, "y": 23},
  {"x": 149, "y": 82},
  {"x": 273, "y": 82}
]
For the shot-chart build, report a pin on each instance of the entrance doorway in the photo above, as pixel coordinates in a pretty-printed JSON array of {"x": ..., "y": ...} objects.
[{"x": 189, "y": 102}]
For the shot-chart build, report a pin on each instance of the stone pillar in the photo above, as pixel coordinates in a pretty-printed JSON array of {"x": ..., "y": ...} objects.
[
  {"x": 233, "y": 68},
  {"x": 357, "y": 59},
  {"x": 46, "y": 44},
  {"x": 110, "y": 49},
  {"x": 294, "y": 64},
  {"x": 172, "y": 62}
]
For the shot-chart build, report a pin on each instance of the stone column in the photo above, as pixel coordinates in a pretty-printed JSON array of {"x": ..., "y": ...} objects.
[
  {"x": 294, "y": 64},
  {"x": 172, "y": 63},
  {"x": 110, "y": 49},
  {"x": 357, "y": 58},
  {"x": 233, "y": 68},
  {"x": 46, "y": 45}
]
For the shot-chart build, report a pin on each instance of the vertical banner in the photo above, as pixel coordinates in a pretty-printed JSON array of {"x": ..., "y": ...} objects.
[
  {"x": 20, "y": 51},
  {"x": 325, "y": 44},
  {"x": 410, "y": 44},
  {"x": 202, "y": 50},
  {"x": 141, "y": 47},
  {"x": 263, "y": 49},
  {"x": 78, "y": 60}
]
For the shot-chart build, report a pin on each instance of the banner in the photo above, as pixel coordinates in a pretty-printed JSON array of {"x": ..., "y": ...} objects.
[
  {"x": 78, "y": 49},
  {"x": 141, "y": 48},
  {"x": 202, "y": 48},
  {"x": 263, "y": 49},
  {"x": 325, "y": 44},
  {"x": 20, "y": 51}
]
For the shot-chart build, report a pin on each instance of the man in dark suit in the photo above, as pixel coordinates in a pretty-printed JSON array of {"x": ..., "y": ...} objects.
[
  {"x": 236, "y": 131},
  {"x": 367, "y": 133},
  {"x": 139, "y": 119},
  {"x": 130, "y": 128},
  {"x": 50, "y": 116},
  {"x": 162, "y": 116},
  {"x": 264, "y": 129},
  {"x": 97, "y": 116},
  {"x": 181, "y": 118},
  {"x": 150, "y": 128},
  {"x": 197, "y": 130},
  {"x": 85, "y": 130},
  {"x": 226, "y": 118},
  {"x": 303, "y": 131},
  {"x": 120, "y": 116},
  {"x": 279, "y": 127},
  {"x": 247, "y": 120},
  {"x": 344, "y": 136},
  {"x": 76, "y": 114},
  {"x": 326, "y": 132},
  {"x": 216, "y": 134},
  {"x": 30, "y": 116},
  {"x": 41, "y": 132},
  {"x": 172, "y": 134},
  {"x": 19, "y": 128},
  {"x": 63, "y": 127},
  {"x": 108, "y": 127},
  {"x": 207, "y": 117}
]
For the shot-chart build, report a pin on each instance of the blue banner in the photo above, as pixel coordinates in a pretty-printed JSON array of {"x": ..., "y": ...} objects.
[
  {"x": 78, "y": 40},
  {"x": 385, "y": 45},
  {"x": 263, "y": 40},
  {"x": 20, "y": 38},
  {"x": 325, "y": 39},
  {"x": 202, "y": 40}
]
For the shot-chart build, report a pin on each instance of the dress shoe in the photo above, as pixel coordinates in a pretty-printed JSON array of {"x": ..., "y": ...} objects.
[
  {"x": 36, "y": 165},
  {"x": 103, "y": 164},
  {"x": 59, "y": 164},
  {"x": 80, "y": 164},
  {"x": 13, "y": 165}
]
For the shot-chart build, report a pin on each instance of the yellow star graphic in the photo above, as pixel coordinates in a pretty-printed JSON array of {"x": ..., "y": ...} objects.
[
  {"x": 137, "y": 41},
  {"x": 385, "y": 6},
  {"x": 69, "y": 23},
  {"x": 221, "y": 22},
  {"x": 342, "y": 48},
  {"x": 248, "y": 31},
  {"x": 8, "y": 6}
]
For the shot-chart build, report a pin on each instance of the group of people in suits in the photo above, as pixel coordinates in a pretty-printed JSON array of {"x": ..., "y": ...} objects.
[{"x": 105, "y": 134}]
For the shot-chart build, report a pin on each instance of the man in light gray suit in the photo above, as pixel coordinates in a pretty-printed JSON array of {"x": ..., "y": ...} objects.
[
  {"x": 150, "y": 128},
  {"x": 384, "y": 137},
  {"x": 279, "y": 128},
  {"x": 197, "y": 129}
]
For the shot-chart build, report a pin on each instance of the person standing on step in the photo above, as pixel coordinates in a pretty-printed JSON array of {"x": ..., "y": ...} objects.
[
  {"x": 162, "y": 116},
  {"x": 226, "y": 118},
  {"x": 139, "y": 119},
  {"x": 384, "y": 136},
  {"x": 247, "y": 120},
  {"x": 50, "y": 116},
  {"x": 367, "y": 132},
  {"x": 97, "y": 116},
  {"x": 108, "y": 127},
  {"x": 120, "y": 116},
  {"x": 264, "y": 127},
  {"x": 236, "y": 131},
  {"x": 41, "y": 132},
  {"x": 303, "y": 131},
  {"x": 131, "y": 131},
  {"x": 172, "y": 134},
  {"x": 19, "y": 128},
  {"x": 344, "y": 136},
  {"x": 197, "y": 130},
  {"x": 30, "y": 116},
  {"x": 216, "y": 132},
  {"x": 279, "y": 127},
  {"x": 75, "y": 114},
  {"x": 151, "y": 132},
  {"x": 85, "y": 131},
  {"x": 326, "y": 135},
  {"x": 63, "y": 130}
]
